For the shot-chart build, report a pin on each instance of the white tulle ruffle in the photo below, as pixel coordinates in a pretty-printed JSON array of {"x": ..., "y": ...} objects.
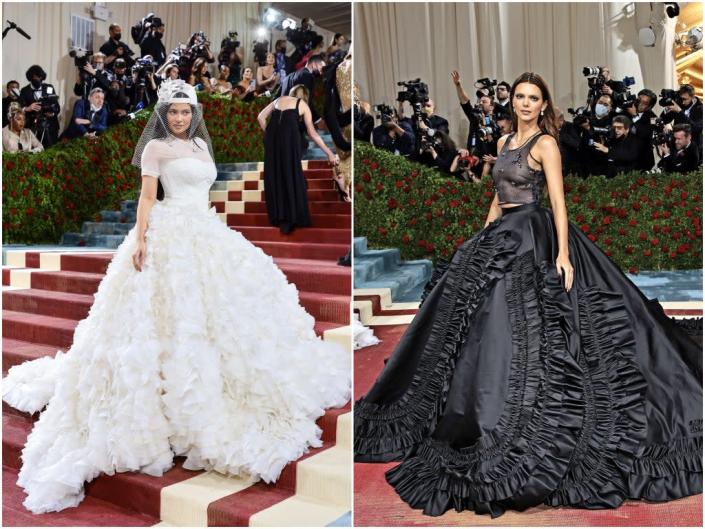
[{"x": 206, "y": 353}]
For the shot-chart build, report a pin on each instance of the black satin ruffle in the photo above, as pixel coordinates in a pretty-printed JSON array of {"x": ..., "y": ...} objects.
[{"x": 578, "y": 425}]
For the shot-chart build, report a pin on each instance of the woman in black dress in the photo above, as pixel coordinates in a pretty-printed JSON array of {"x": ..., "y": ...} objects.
[
  {"x": 535, "y": 371},
  {"x": 284, "y": 183}
]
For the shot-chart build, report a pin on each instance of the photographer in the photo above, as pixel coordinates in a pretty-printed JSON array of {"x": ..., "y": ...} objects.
[
  {"x": 622, "y": 149},
  {"x": 302, "y": 38},
  {"x": 89, "y": 118},
  {"x": 686, "y": 157},
  {"x": 91, "y": 75},
  {"x": 603, "y": 111},
  {"x": 144, "y": 92},
  {"x": 118, "y": 103},
  {"x": 228, "y": 47},
  {"x": 13, "y": 96},
  {"x": 114, "y": 48},
  {"x": 501, "y": 106},
  {"x": 40, "y": 103},
  {"x": 306, "y": 76},
  {"x": 569, "y": 141},
  {"x": 391, "y": 135},
  {"x": 440, "y": 152},
  {"x": 15, "y": 137},
  {"x": 153, "y": 41},
  {"x": 684, "y": 108},
  {"x": 642, "y": 118},
  {"x": 120, "y": 74},
  {"x": 600, "y": 83}
]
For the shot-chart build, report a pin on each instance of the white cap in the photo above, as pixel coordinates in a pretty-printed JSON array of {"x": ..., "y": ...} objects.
[{"x": 171, "y": 87}]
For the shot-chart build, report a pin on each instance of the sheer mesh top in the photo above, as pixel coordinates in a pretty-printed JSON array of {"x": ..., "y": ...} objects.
[{"x": 514, "y": 180}]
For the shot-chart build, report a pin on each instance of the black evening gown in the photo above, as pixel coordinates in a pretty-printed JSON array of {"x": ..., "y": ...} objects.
[
  {"x": 506, "y": 391},
  {"x": 285, "y": 187}
]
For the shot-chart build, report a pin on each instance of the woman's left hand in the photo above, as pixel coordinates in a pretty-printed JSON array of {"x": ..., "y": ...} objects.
[{"x": 565, "y": 270}]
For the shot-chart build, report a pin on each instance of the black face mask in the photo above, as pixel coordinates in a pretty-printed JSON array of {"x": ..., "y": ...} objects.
[
  {"x": 114, "y": 92},
  {"x": 118, "y": 36},
  {"x": 36, "y": 83},
  {"x": 158, "y": 35}
]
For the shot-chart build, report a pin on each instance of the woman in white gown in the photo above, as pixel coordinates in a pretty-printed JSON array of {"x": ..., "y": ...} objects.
[{"x": 195, "y": 346}]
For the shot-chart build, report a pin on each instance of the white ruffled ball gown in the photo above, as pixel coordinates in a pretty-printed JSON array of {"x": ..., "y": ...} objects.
[{"x": 206, "y": 353}]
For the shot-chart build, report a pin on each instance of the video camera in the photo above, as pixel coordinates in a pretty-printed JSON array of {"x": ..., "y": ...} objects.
[
  {"x": 485, "y": 86},
  {"x": 140, "y": 30},
  {"x": 81, "y": 57},
  {"x": 301, "y": 38},
  {"x": 230, "y": 43},
  {"x": 624, "y": 98},
  {"x": 415, "y": 92},
  {"x": 668, "y": 97}
]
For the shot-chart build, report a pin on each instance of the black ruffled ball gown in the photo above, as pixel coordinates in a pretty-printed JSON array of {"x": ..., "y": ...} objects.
[{"x": 507, "y": 392}]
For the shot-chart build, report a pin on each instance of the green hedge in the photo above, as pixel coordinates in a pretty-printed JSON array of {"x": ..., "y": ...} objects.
[
  {"x": 49, "y": 193},
  {"x": 643, "y": 222}
]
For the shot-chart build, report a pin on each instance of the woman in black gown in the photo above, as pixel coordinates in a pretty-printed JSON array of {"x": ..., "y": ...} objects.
[
  {"x": 535, "y": 371},
  {"x": 285, "y": 188}
]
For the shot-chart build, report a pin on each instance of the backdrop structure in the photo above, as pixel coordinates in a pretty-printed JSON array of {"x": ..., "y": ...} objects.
[{"x": 401, "y": 41}]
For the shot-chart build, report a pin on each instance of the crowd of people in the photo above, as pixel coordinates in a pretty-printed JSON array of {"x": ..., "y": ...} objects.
[
  {"x": 614, "y": 132},
  {"x": 114, "y": 83}
]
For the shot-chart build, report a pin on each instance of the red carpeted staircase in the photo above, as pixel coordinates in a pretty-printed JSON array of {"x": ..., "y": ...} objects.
[{"x": 42, "y": 306}]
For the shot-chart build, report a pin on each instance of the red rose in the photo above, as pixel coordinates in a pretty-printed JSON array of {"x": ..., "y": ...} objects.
[
  {"x": 607, "y": 221},
  {"x": 38, "y": 165},
  {"x": 399, "y": 184},
  {"x": 585, "y": 228},
  {"x": 430, "y": 247},
  {"x": 629, "y": 249},
  {"x": 607, "y": 241},
  {"x": 592, "y": 237},
  {"x": 380, "y": 187},
  {"x": 633, "y": 270},
  {"x": 358, "y": 188},
  {"x": 429, "y": 216},
  {"x": 29, "y": 211},
  {"x": 608, "y": 253},
  {"x": 576, "y": 199},
  {"x": 461, "y": 222},
  {"x": 613, "y": 194},
  {"x": 580, "y": 218},
  {"x": 489, "y": 194},
  {"x": 622, "y": 231},
  {"x": 374, "y": 165},
  {"x": 654, "y": 242},
  {"x": 655, "y": 215},
  {"x": 382, "y": 231},
  {"x": 449, "y": 237},
  {"x": 366, "y": 177},
  {"x": 684, "y": 195},
  {"x": 405, "y": 237},
  {"x": 454, "y": 203},
  {"x": 673, "y": 255},
  {"x": 642, "y": 236},
  {"x": 647, "y": 253},
  {"x": 640, "y": 181},
  {"x": 667, "y": 190},
  {"x": 666, "y": 214},
  {"x": 428, "y": 202},
  {"x": 632, "y": 222},
  {"x": 636, "y": 206},
  {"x": 421, "y": 243},
  {"x": 392, "y": 203}
]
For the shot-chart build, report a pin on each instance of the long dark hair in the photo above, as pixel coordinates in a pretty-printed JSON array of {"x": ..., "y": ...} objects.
[{"x": 548, "y": 123}]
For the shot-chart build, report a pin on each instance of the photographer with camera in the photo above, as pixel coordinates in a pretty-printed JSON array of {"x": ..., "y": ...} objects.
[
  {"x": 13, "y": 96},
  {"x": 306, "y": 76},
  {"x": 501, "y": 106},
  {"x": 391, "y": 135},
  {"x": 622, "y": 149},
  {"x": 600, "y": 83},
  {"x": 118, "y": 103},
  {"x": 90, "y": 75},
  {"x": 643, "y": 118},
  {"x": 15, "y": 137},
  {"x": 89, "y": 118},
  {"x": 40, "y": 103},
  {"x": 603, "y": 112},
  {"x": 683, "y": 107},
  {"x": 686, "y": 157},
  {"x": 114, "y": 48},
  {"x": 149, "y": 34},
  {"x": 144, "y": 82},
  {"x": 121, "y": 75},
  {"x": 303, "y": 40}
]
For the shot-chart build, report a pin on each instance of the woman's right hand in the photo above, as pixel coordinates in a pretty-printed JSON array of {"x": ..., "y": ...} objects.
[
  {"x": 138, "y": 256},
  {"x": 333, "y": 159}
]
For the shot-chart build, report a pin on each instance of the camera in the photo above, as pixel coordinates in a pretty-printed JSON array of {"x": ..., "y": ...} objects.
[
  {"x": 230, "y": 43},
  {"x": 668, "y": 97},
  {"x": 623, "y": 97},
  {"x": 140, "y": 30},
  {"x": 261, "y": 49},
  {"x": 385, "y": 113},
  {"x": 142, "y": 67},
  {"x": 485, "y": 86},
  {"x": 430, "y": 142},
  {"x": 301, "y": 38},
  {"x": 415, "y": 92},
  {"x": 80, "y": 57},
  {"x": 660, "y": 134}
]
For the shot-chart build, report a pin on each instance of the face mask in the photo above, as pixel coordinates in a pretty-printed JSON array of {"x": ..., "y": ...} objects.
[
  {"x": 118, "y": 36},
  {"x": 158, "y": 35},
  {"x": 114, "y": 92},
  {"x": 99, "y": 66},
  {"x": 601, "y": 110},
  {"x": 36, "y": 83},
  {"x": 15, "y": 92}
]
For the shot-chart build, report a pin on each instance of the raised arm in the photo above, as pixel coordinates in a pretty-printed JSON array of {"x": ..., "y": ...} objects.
[
  {"x": 462, "y": 95},
  {"x": 550, "y": 158},
  {"x": 311, "y": 130},
  {"x": 266, "y": 111}
]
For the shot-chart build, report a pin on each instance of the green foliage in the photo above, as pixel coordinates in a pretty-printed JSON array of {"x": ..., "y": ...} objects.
[
  {"x": 643, "y": 222},
  {"x": 49, "y": 193}
]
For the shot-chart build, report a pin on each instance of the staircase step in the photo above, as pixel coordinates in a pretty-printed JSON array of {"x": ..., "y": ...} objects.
[
  {"x": 327, "y": 251},
  {"x": 106, "y": 228},
  {"x": 49, "y": 330},
  {"x": 314, "y": 195},
  {"x": 48, "y": 303},
  {"x": 326, "y": 307},
  {"x": 270, "y": 233},
  {"x": 318, "y": 220},
  {"x": 331, "y": 208},
  {"x": 66, "y": 281},
  {"x": 92, "y": 512},
  {"x": 14, "y": 352}
]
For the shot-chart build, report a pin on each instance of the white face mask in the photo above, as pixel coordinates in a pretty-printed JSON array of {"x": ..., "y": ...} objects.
[
  {"x": 601, "y": 110},
  {"x": 15, "y": 92},
  {"x": 99, "y": 66}
]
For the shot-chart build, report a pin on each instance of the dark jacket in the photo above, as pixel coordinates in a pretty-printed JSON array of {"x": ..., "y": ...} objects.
[
  {"x": 404, "y": 143},
  {"x": 643, "y": 130},
  {"x": 305, "y": 77},
  {"x": 110, "y": 47},
  {"x": 99, "y": 80},
  {"x": 682, "y": 161},
  {"x": 82, "y": 109},
  {"x": 623, "y": 155},
  {"x": 154, "y": 46}
]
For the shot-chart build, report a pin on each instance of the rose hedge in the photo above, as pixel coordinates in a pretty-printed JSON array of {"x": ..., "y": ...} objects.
[
  {"x": 643, "y": 222},
  {"x": 52, "y": 192}
]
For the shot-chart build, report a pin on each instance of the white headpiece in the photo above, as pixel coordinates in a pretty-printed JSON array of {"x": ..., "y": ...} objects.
[{"x": 177, "y": 91}]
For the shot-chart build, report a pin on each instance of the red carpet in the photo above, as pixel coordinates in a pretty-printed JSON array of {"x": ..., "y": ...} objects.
[
  {"x": 39, "y": 320},
  {"x": 377, "y": 504}
]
